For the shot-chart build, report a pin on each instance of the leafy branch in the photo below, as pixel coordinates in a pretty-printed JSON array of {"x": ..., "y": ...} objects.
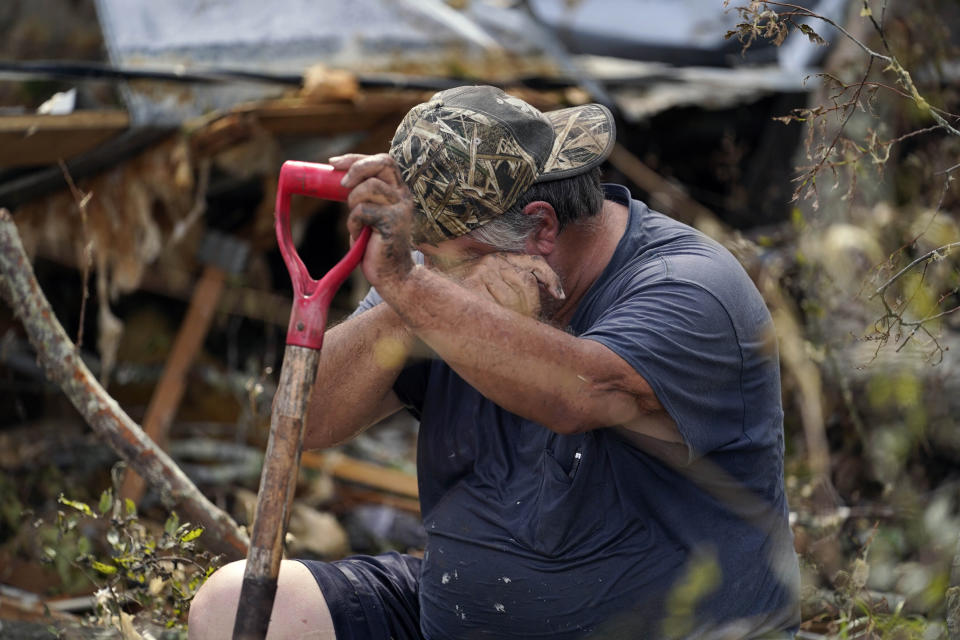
[
  {"x": 835, "y": 151},
  {"x": 894, "y": 322},
  {"x": 157, "y": 573},
  {"x": 774, "y": 21}
]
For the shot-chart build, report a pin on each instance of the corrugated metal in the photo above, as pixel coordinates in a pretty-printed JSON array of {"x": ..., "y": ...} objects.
[
  {"x": 415, "y": 36},
  {"x": 281, "y": 36}
]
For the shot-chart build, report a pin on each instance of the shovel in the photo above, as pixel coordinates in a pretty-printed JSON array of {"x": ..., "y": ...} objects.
[{"x": 308, "y": 319}]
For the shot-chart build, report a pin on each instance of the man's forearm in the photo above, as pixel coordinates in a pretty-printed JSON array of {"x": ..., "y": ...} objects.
[
  {"x": 359, "y": 363},
  {"x": 525, "y": 366}
]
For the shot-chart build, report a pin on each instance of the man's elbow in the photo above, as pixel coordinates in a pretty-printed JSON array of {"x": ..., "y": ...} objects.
[
  {"x": 606, "y": 411},
  {"x": 568, "y": 420}
]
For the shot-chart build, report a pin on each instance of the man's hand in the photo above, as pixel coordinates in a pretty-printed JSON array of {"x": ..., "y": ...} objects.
[
  {"x": 379, "y": 199},
  {"x": 512, "y": 280}
]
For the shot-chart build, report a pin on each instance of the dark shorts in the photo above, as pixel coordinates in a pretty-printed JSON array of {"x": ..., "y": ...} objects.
[{"x": 371, "y": 597}]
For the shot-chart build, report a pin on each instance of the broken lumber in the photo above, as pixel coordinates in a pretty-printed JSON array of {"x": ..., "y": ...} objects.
[
  {"x": 169, "y": 391},
  {"x": 32, "y": 139},
  {"x": 344, "y": 467}
]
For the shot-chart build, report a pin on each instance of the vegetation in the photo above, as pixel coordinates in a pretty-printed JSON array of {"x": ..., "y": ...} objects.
[
  {"x": 134, "y": 569},
  {"x": 877, "y": 280}
]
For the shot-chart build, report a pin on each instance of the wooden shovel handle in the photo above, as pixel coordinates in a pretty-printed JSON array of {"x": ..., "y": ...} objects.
[{"x": 277, "y": 484}]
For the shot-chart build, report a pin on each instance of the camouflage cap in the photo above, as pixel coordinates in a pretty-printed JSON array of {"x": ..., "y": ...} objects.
[{"x": 468, "y": 154}]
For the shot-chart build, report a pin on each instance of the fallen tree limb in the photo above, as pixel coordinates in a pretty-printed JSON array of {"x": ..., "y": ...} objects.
[{"x": 62, "y": 364}]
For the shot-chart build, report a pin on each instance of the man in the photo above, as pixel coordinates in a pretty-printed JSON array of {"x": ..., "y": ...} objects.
[{"x": 600, "y": 450}]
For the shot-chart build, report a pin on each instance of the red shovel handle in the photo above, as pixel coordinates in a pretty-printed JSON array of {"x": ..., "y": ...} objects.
[
  {"x": 308, "y": 318},
  {"x": 311, "y": 298}
]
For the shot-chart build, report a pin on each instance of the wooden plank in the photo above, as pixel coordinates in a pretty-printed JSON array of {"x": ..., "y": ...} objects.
[
  {"x": 350, "y": 496},
  {"x": 169, "y": 391},
  {"x": 366, "y": 473},
  {"x": 315, "y": 120},
  {"x": 37, "y": 140},
  {"x": 330, "y": 118}
]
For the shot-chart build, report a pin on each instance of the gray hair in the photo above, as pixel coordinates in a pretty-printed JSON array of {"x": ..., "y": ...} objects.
[{"x": 573, "y": 199}]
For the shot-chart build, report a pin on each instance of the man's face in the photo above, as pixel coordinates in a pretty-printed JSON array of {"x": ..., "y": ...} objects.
[
  {"x": 457, "y": 257},
  {"x": 448, "y": 255}
]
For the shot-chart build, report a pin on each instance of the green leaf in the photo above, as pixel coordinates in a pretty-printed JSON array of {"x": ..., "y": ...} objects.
[
  {"x": 172, "y": 524},
  {"x": 105, "y": 569},
  {"x": 131, "y": 507},
  {"x": 106, "y": 500},
  {"x": 79, "y": 506},
  {"x": 192, "y": 535}
]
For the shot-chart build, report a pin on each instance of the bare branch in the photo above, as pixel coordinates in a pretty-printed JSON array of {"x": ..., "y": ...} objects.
[
  {"x": 797, "y": 10},
  {"x": 82, "y": 200},
  {"x": 199, "y": 204},
  {"x": 949, "y": 170},
  {"x": 810, "y": 175},
  {"x": 936, "y": 254}
]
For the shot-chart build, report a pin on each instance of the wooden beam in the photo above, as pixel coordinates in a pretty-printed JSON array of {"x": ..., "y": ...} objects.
[
  {"x": 304, "y": 117},
  {"x": 351, "y": 496},
  {"x": 169, "y": 391},
  {"x": 39, "y": 140},
  {"x": 344, "y": 467}
]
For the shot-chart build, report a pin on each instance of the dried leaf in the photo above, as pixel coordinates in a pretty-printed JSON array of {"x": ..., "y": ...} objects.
[
  {"x": 127, "y": 630},
  {"x": 861, "y": 571},
  {"x": 814, "y": 37}
]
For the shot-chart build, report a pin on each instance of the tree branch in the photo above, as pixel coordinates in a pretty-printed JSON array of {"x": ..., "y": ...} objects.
[
  {"x": 62, "y": 364},
  {"x": 936, "y": 254},
  {"x": 807, "y": 13},
  {"x": 82, "y": 200}
]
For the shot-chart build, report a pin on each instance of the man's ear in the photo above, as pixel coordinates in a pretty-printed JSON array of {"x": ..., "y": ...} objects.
[{"x": 543, "y": 239}]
